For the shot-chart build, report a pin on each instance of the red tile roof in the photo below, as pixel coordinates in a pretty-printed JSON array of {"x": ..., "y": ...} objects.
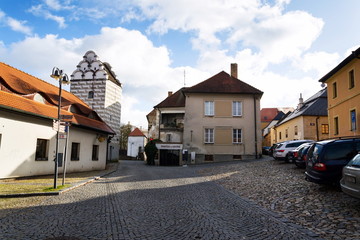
[
  {"x": 175, "y": 100},
  {"x": 268, "y": 114},
  {"x": 136, "y": 133},
  {"x": 17, "y": 91},
  {"x": 223, "y": 83}
]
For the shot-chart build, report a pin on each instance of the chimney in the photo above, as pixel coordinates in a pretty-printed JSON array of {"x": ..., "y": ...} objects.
[
  {"x": 170, "y": 93},
  {"x": 234, "y": 70},
  {"x": 301, "y": 102}
]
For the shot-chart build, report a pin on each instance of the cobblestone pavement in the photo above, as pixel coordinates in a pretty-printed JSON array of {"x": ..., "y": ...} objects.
[
  {"x": 147, "y": 202},
  {"x": 281, "y": 188}
]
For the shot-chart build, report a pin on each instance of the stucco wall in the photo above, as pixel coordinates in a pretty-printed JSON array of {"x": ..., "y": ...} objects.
[
  {"x": 195, "y": 123},
  {"x": 134, "y": 142},
  {"x": 19, "y": 134},
  {"x": 347, "y": 99}
]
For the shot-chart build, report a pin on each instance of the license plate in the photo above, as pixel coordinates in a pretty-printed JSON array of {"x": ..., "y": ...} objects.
[{"x": 350, "y": 179}]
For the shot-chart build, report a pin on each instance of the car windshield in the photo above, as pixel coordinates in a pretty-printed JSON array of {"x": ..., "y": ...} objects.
[{"x": 355, "y": 162}]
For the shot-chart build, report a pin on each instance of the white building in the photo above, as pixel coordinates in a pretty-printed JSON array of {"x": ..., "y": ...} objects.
[
  {"x": 28, "y": 107},
  {"x": 136, "y": 143},
  {"x": 96, "y": 84}
]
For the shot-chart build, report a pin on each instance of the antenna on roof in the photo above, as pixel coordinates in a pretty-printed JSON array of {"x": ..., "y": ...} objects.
[{"x": 184, "y": 79}]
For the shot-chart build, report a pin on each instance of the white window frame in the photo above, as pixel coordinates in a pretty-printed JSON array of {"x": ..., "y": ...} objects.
[
  {"x": 209, "y": 108},
  {"x": 209, "y": 135},
  {"x": 235, "y": 136},
  {"x": 237, "y": 108}
]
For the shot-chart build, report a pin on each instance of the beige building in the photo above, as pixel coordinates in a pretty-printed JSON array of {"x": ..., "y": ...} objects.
[
  {"x": 215, "y": 120},
  {"x": 307, "y": 121},
  {"x": 343, "y": 84}
]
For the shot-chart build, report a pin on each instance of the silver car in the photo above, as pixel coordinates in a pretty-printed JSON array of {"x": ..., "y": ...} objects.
[{"x": 350, "y": 182}]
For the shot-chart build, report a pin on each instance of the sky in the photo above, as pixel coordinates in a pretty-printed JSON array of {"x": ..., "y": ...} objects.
[{"x": 282, "y": 47}]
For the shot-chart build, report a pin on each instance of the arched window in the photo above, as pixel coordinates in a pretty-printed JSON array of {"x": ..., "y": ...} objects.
[{"x": 91, "y": 94}]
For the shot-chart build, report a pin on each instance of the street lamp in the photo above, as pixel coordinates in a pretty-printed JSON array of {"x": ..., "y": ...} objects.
[{"x": 62, "y": 78}]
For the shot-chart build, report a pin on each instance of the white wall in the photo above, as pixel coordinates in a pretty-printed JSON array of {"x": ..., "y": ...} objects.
[
  {"x": 19, "y": 134},
  {"x": 133, "y": 145}
]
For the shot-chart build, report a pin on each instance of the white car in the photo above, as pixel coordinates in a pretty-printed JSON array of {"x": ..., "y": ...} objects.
[{"x": 282, "y": 150}]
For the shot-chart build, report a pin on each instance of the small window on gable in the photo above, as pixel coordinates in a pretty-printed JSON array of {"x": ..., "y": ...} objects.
[{"x": 91, "y": 94}]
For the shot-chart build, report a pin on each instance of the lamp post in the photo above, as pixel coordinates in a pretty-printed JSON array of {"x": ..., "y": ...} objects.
[{"x": 62, "y": 78}]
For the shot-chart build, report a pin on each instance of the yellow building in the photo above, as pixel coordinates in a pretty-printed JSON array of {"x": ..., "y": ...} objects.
[
  {"x": 343, "y": 84},
  {"x": 308, "y": 121}
]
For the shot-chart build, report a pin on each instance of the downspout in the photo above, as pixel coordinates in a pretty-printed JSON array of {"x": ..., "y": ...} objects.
[
  {"x": 255, "y": 128},
  {"x": 317, "y": 128}
]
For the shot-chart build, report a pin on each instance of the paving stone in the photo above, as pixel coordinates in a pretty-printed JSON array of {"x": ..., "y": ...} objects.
[{"x": 148, "y": 202}]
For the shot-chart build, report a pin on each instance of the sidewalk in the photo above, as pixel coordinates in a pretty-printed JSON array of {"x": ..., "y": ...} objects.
[{"x": 42, "y": 185}]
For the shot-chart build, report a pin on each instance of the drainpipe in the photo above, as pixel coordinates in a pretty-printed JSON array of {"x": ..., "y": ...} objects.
[
  {"x": 255, "y": 128},
  {"x": 317, "y": 128}
]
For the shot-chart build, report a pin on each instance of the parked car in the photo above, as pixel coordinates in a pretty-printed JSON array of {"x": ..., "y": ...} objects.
[
  {"x": 326, "y": 159},
  {"x": 265, "y": 150},
  {"x": 301, "y": 155},
  {"x": 350, "y": 182},
  {"x": 272, "y": 148},
  {"x": 282, "y": 150}
]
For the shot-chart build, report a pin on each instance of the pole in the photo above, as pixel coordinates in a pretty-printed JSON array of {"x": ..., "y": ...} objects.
[
  {"x": 65, "y": 152},
  {"x": 57, "y": 138}
]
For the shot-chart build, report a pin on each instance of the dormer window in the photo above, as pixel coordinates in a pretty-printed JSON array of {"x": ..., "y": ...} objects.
[{"x": 91, "y": 94}]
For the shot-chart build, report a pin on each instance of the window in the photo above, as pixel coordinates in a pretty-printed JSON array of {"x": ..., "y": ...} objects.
[
  {"x": 209, "y": 158},
  {"x": 95, "y": 152},
  {"x": 325, "y": 128},
  {"x": 0, "y": 140},
  {"x": 209, "y": 108},
  {"x": 280, "y": 135},
  {"x": 286, "y": 133},
  {"x": 91, "y": 94},
  {"x": 336, "y": 126},
  {"x": 296, "y": 130},
  {"x": 209, "y": 135},
  {"x": 236, "y": 135},
  {"x": 75, "y": 151},
  {"x": 168, "y": 137},
  {"x": 334, "y": 90},
  {"x": 351, "y": 79},
  {"x": 237, "y": 109},
  {"x": 42, "y": 150},
  {"x": 353, "y": 120}
]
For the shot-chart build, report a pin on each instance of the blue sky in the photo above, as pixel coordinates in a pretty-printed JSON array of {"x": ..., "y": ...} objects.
[{"x": 282, "y": 47}]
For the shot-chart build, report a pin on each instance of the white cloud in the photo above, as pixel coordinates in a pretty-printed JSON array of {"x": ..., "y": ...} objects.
[
  {"x": 14, "y": 24},
  {"x": 143, "y": 68},
  {"x": 40, "y": 11}
]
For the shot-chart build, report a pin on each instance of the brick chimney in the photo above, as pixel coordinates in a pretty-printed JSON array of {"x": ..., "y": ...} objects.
[
  {"x": 234, "y": 70},
  {"x": 169, "y": 93}
]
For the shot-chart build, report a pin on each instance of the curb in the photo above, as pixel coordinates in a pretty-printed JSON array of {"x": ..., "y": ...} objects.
[{"x": 89, "y": 180}]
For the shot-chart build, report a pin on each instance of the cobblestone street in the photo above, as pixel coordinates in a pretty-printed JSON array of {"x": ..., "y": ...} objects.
[{"x": 147, "y": 202}]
